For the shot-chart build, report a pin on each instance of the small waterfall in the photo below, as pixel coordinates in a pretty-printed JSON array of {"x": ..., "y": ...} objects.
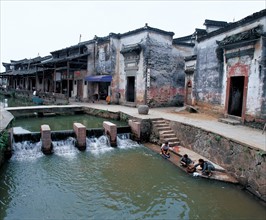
[
  {"x": 27, "y": 150},
  {"x": 65, "y": 147},
  {"x": 98, "y": 145},
  {"x": 124, "y": 141}
]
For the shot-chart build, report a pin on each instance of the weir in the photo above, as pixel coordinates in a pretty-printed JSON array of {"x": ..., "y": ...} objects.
[{"x": 48, "y": 141}]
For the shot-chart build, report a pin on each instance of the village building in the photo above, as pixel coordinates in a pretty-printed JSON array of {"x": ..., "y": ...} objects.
[
  {"x": 143, "y": 66},
  {"x": 23, "y": 73},
  {"x": 227, "y": 72},
  {"x": 220, "y": 69}
]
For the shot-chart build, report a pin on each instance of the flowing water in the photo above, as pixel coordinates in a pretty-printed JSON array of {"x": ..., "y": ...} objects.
[{"x": 127, "y": 182}]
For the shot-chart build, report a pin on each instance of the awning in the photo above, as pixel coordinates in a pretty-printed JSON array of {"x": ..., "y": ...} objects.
[{"x": 99, "y": 78}]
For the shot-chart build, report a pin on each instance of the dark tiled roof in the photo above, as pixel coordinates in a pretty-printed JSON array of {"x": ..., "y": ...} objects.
[
  {"x": 63, "y": 59},
  {"x": 131, "y": 48},
  {"x": 27, "y": 61},
  {"x": 199, "y": 31},
  {"x": 188, "y": 58},
  {"x": 233, "y": 25},
  {"x": 251, "y": 34},
  {"x": 74, "y": 46},
  {"x": 185, "y": 38},
  {"x": 145, "y": 28},
  {"x": 215, "y": 23},
  {"x": 183, "y": 43}
]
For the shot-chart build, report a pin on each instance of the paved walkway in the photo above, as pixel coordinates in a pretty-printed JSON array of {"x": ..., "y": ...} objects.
[{"x": 241, "y": 134}]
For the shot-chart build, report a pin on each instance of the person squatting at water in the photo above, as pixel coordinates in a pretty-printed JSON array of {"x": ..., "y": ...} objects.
[
  {"x": 165, "y": 150},
  {"x": 206, "y": 166},
  {"x": 185, "y": 161},
  {"x": 188, "y": 163}
]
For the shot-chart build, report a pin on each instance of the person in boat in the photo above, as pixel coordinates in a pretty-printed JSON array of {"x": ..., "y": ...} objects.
[
  {"x": 207, "y": 167},
  {"x": 165, "y": 149}
]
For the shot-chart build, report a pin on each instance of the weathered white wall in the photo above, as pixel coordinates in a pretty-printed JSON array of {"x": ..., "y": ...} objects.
[
  {"x": 211, "y": 85},
  {"x": 139, "y": 38}
]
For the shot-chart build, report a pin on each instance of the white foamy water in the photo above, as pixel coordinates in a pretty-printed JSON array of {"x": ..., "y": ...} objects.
[
  {"x": 26, "y": 150},
  {"x": 65, "y": 148},
  {"x": 124, "y": 141},
  {"x": 31, "y": 151},
  {"x": 98, "y": 145}
]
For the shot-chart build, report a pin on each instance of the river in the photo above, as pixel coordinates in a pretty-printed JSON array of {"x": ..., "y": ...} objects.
[{"x": 127, "y": 182}]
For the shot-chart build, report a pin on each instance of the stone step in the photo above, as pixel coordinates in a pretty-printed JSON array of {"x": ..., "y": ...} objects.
[
  {"x": 159, "y": 121},
  {"x": 229, "y": 121},
  {"x": 161, "y": 125},
  {"x": 172, "y": 135},
  {"x": 172, "y": 144},
  {"x": 166, "y": 132},
  {"x": 171, "y": 140},
  {"x": 164, "y": 129}
]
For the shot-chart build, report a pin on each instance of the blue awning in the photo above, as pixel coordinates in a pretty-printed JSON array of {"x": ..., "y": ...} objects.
[{"x": 99, "y": 78}]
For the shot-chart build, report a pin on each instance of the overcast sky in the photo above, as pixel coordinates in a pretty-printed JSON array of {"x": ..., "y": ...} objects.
[{"x": 32, "y": 28}]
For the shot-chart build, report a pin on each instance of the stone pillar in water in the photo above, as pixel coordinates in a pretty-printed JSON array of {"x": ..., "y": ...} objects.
[
  {"x": 135, "y": 129},
  {"x": 110, "y": 130},
  {"x": 80, "y": 132},
  {"x": 47, "y": 146}
]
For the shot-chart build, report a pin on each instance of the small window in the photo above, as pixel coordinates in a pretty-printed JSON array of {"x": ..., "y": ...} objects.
[{"x": 85, "y": 83}]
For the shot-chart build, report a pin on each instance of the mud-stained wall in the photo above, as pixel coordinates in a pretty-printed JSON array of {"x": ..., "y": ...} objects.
[
  {"x": 208, "y": 76},
  {"x": 247, "y": 164},
  {"x": 167, "y": 77},
  {"x": 262, "y": 77}
]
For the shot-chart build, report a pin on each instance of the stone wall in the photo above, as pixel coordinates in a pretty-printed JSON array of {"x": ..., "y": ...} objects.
[
  {"x": 245, "y": 163},
  {"x": 208, "y": 76},
  {"x": 167, "y": 75},
  {"x": 102, "y": 113}
]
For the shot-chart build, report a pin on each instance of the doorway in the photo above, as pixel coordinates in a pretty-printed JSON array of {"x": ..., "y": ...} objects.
[
  {"x": 131, "y": 89},
  {"x": 236, "y": 95},
  {"x": 189, "y": 93},
  {"x": 80, "y": 89}
]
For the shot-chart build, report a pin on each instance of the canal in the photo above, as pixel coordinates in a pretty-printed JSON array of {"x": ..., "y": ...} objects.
[
  {"x": 62, "y": 122},
  {"x": 127, "y": 182}
]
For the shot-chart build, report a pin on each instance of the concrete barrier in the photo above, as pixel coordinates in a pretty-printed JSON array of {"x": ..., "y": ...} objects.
[
  {"x": 110, "y": 130},
  {"x": 135, "y": 129},
  {"x": 80, "y": 133},
  {"x": 47, "y": 146}
]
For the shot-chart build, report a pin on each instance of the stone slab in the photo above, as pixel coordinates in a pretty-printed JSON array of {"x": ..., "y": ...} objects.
[
  {"x": 5, "y": 118},
  {"x": 176, "y": 156},
  {"x": 229, "y": 121}
]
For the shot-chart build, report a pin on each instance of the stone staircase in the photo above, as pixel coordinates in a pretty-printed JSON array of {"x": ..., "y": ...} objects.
[{"x": 165, "y": 132}]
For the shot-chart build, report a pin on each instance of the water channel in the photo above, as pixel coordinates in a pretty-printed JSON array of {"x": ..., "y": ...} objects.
[
  {"x": 62, "y": 122},
  {"x": 127, "y": 182}
]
